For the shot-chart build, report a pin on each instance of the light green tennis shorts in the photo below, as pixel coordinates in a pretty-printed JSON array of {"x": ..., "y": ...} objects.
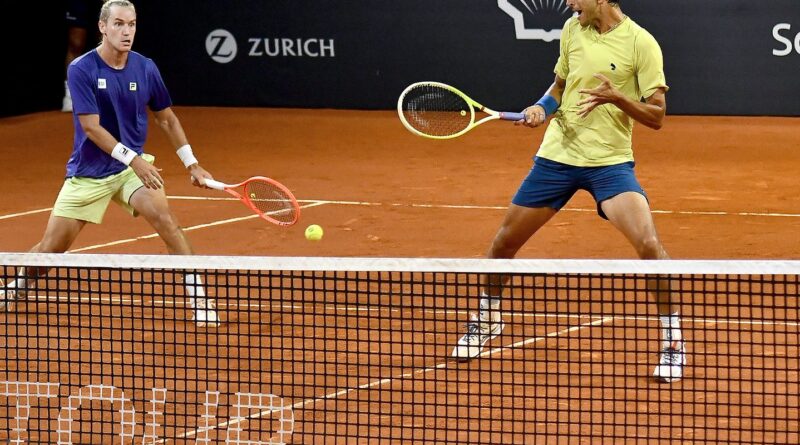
[{"x": 87, "y": 199}]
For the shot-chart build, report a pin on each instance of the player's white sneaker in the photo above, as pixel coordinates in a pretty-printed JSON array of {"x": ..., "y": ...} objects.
[
  {"x": 6, "y": 300},
  {"x": 673, "y": 360},
  {"x": 205, "y": 313},
  {"x": 9, "y": 295},
  {"x": 486, "y": 326}
]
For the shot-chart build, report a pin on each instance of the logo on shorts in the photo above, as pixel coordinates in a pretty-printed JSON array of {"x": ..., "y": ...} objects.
[
  {"x": 101, "y": 84},
  {"x": 221, "y": 46},
  {"x": 132, "y": 86},
  {"x": 537, "y": 19}
]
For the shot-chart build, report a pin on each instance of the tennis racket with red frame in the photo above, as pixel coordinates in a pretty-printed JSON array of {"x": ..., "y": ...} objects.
[{"x": 267, "y": 197}]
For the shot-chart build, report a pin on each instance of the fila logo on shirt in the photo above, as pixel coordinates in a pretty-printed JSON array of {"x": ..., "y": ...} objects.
[
  {"x": 102, "y": 85},
  {"x": 535, "y": 19}
]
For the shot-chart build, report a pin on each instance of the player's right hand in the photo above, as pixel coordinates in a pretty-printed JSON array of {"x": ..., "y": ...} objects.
[
  {"x": 534, "y": 116},
  {"x": 199, "y": 176}
]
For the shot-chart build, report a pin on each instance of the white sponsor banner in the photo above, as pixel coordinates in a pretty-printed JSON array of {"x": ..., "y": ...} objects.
[
  {"x": 246, "y": 406},
  {"x": 537, "y": 19},
  {"x": 788, "y": 39},
  {"x": 222, "y": 46}
]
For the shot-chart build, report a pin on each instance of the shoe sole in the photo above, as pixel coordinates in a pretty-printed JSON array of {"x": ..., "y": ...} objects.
[
  {"x": 203, "y": 324},
  {"x": 663, "y": 379},
  {"x": 206, "y": 323},
  {"x": 668, "y": 380},
  {"x": 491, "y": 336}
]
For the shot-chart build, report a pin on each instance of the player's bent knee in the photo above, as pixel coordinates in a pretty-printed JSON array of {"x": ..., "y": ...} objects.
[
  {"x": 650, "y": 249},
  {"x": 164, "y": 222},
  {"x": 502, "y": 248},
  {"x": 53, "y": 244},
  {"x": 50, "y": 247}
]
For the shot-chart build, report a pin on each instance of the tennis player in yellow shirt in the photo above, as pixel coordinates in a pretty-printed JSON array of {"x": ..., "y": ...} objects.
[{"x": 609, "y": 74}]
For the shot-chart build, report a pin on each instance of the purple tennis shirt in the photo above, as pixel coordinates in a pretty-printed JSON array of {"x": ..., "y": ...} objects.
[{"x": 121, "y": 98}]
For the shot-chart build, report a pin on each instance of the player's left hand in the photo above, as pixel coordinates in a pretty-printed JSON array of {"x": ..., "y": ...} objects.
[
  {"x": 602, "y": 94},
  {"x": 199, "y": 176},
  {"x": 148, "y": 173}
]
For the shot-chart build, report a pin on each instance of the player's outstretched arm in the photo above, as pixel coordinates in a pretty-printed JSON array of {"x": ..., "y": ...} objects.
[
  {"x": 169, "y": 122},
  {"x": 650, "y": 112}
]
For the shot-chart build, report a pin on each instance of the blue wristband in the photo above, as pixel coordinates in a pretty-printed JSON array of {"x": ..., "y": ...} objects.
[{"x": 549, "y": 104}]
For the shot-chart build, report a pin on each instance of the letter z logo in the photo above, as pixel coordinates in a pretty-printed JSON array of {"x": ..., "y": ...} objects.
[{"x": 221, "y": 46}]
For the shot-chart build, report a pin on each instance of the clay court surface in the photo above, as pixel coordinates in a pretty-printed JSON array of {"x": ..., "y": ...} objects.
[{"x": 721, "y": 188}]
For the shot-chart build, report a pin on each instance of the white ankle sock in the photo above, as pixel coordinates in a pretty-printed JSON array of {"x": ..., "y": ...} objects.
[
  {"x": 489, "y": 308},
  {"x": 18, "y": 284},
  {"x": 194, "y": 289},
  {"x": 670, "y": 329}
]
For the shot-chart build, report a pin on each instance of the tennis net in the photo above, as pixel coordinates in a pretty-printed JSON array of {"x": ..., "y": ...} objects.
[{"x": 107, "y": 349}]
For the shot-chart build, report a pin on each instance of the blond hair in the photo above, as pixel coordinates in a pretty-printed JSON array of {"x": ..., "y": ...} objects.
[{"x": 105, "y": 10}]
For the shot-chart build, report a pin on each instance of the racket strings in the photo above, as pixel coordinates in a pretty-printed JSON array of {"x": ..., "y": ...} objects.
[
  {"x": 271, "y": 201},
  {"x": 436, "y": 111}
]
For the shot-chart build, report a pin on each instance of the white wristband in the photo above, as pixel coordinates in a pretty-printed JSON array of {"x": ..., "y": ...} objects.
[
  {"x": 186, "y": 155},
  {"x": 123, "y": 154}
]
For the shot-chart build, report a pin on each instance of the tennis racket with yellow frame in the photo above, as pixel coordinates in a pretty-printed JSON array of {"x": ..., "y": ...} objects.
[{"x": 439, "y": 111}]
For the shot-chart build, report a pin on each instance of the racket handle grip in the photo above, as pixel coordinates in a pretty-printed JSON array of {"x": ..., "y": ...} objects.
[
  {"x": 216, "y": 185},
  {"x": 508, "y": 116}
]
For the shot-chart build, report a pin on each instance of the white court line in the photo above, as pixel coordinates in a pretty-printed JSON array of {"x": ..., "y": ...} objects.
[
  {"x": 30, "y": 212},
  {"x": 381, "y": 382},
  {"x": 478, "y": 207},
  {"x": 550, "y": 335},
  {"x": 318, "y": 202},
  {"x": 185, "y": 229}
]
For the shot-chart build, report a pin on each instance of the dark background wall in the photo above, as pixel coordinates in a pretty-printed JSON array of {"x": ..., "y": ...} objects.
[{"x": 729, "y": 57}]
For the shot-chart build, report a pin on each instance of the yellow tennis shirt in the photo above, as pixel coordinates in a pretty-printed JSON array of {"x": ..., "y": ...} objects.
[{"x": 630, "y": 57}]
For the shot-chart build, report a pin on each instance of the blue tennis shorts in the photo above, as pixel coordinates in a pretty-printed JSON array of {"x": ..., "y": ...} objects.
[{"x": 552, "y": 184}]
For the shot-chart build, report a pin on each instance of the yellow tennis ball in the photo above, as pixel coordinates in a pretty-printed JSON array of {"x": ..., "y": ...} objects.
[
  {"x": 253, "y": 195},
  {"x": 313, "y": 232},
  {"x": 463, "y": 112}
]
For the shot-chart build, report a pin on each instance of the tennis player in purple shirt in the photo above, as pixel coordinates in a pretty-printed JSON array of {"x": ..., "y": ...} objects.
[{"x": 111, "y": 88}]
